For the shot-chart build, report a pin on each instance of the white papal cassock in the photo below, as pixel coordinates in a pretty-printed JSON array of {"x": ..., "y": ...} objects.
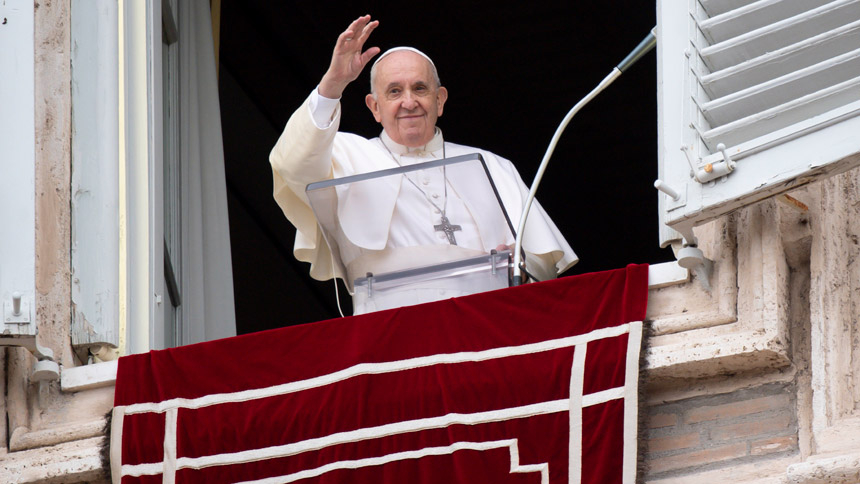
[{"x": 391, "y": 229}]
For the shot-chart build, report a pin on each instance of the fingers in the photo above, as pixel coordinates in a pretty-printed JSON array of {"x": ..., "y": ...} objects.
[
  {"x": 348, "y": 60},
  {"x": 353, "y": 38},
  {"x": 369, "y": 54},
  {"x": 367, "y": 30},
  {"x": 344, "y": 39},
  {"x": 365, "y": 34},
  {"x": 358, "y": 27}
]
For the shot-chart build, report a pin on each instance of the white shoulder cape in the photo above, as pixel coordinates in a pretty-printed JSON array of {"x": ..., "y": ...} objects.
[{"x": 306, "y": 154}]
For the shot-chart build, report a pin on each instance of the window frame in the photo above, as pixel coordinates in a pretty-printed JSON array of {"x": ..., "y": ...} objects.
[
  {"x": 119, "y": 270},
  {"x": 772, "y": 164}
]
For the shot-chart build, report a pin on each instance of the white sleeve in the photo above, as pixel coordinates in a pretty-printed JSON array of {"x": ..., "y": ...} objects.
[{"x": 322, "y": 109}]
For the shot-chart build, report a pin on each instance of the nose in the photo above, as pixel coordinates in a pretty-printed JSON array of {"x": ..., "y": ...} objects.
[{"x": 409, "y": 101}]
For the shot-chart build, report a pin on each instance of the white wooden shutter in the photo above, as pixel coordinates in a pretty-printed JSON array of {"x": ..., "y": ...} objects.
[
  {"x": 776, "y": 82},
  {"x": 17, "y": 172},
  {"x": 95, "y": 175}
]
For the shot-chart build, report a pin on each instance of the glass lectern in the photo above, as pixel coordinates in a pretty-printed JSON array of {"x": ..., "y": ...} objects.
[{"x": 416, "y": 233}]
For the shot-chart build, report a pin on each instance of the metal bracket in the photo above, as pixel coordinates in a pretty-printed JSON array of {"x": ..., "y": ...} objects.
[
  {"x": 677, "y": 198},
  {"x": 710, "y": 171},
  {"x": 16, "y": 311},
  {"x": 46, "y": 369},
  {"x": 691, "y": 257}
]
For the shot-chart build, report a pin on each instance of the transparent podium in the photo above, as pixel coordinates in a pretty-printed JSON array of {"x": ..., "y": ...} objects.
[{"x": 416, "y": 233}]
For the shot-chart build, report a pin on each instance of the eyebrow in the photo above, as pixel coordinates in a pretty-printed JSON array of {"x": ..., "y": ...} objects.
[{"x": 400, "y": 84}]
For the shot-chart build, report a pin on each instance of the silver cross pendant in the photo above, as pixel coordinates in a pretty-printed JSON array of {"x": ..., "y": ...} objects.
[{"x": 449, "y": 229}]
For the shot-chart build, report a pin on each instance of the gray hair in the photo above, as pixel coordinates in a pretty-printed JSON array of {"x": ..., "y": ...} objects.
[{"x": 396, "y": 49}]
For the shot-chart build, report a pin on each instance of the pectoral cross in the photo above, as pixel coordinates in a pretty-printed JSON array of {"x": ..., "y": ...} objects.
[{"x": 449, "y": 229}]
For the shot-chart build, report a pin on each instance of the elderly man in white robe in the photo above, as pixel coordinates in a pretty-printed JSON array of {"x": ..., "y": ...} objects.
[{"x": 392, "y": 232}]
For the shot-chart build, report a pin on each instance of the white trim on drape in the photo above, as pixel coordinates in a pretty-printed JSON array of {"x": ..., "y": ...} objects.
[{"x": 207, "y": 271}]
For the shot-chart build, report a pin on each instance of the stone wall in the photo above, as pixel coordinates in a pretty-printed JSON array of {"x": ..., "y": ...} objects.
[
  {"x": 719, "y": 408},
  {"x": 714, "y": 431}
]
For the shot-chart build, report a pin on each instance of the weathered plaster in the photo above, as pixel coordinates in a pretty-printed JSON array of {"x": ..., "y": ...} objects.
[
  {"x": 757, "y": 274},
  {"x": 796, "y": 227},
  {"x": 71, "y": 462},
  {"x": 3, "y": 427},
  {"x": 842, "y": 469},
  {"x": 834, "y": 300},
  {"x": 798, "y": 290},
  {"x": 677, "y": 309},
  {"x": 17, "y": 408},
  {"x": 770, "y": 472},
  {"x": 53, "y": 175}
]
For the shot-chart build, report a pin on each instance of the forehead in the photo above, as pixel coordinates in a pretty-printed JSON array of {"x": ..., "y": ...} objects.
[{"x": 403, "y": 67}]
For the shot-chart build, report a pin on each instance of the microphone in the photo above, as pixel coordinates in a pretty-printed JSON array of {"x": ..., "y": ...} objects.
[{"x": 643, "y": 48}]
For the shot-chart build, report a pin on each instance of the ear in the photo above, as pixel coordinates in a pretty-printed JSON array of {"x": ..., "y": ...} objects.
[
  {"x": 373, "y": 106},
  {"x": 441, "y": 97}
]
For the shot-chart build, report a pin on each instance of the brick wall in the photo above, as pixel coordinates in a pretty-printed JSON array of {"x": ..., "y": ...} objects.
[{"x": 708, "y": 432}]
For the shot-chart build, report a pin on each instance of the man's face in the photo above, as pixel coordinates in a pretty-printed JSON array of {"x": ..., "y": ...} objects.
[{"x": 408, "y": 101}]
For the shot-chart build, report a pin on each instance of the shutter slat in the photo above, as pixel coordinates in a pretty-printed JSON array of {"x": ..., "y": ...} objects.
[
  {"x": 780, "y": 34},
  {"x": 753, "y": 16},
  {"x": 777, "y": 62},
  {"x": 783, "y": 61},
  {"x": 776, "y": 81},
  {"x": 782, "y": 90},
  {"x": 798, "y": 110},
  {"x": 717, "y": 7}
]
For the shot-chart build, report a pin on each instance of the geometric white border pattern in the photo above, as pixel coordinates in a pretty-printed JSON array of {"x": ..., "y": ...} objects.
[
  {"x": 574, "y": 405},
  {"x": 416, "y": 454}
]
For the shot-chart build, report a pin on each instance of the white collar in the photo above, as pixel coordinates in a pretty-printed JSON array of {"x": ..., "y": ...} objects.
[{"x": 435, "y": 144}]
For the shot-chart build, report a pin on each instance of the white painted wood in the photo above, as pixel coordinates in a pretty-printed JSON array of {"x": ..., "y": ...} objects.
[
  {"x": 673, "y": 76},
  {"x": 148, "y": 131},
  {"x": 17, "y": 162},
  {"x": 782, "y": 61},
  {"x": 173, "y": 188},
  {"x": 95, "y": 173},
  {"x": 795, "y": 131},
  {"x": 784, "y": 89},
  {"x": 818, "y": 103},
  {"x": 666, "y": 274},
  {"x": 738, "y": 21},
  {"x": 144, "y": 245},
  {"x": 155, "y": 22},
  {"x": 779, "y": 34},
  {"x": 87, "y": 377},
  {"x": 717, "y": 7},
  {"x": 789, "y": 163},
  {"x": 785, "y": 102}
]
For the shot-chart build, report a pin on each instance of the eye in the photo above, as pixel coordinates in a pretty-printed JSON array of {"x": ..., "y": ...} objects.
[{"x": 394, "y": 92}]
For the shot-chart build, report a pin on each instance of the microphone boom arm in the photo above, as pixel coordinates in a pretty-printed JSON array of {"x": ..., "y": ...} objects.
[{"x": 643, "y": 48}]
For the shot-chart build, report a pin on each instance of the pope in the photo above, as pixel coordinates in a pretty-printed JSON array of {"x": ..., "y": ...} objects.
[{"x": 428, "y": 217}]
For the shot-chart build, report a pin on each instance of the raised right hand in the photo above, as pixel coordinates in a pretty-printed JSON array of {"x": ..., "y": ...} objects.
[{"x": 347, "y": 60}]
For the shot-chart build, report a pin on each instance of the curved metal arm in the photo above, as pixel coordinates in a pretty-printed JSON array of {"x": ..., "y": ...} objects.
[{"x": 647, "y": 44}]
